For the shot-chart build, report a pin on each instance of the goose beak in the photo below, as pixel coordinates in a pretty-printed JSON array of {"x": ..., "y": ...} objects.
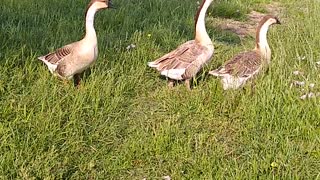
[{"x": 110, "y": 5}]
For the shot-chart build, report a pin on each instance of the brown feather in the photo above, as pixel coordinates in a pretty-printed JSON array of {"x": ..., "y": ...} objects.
[
  {"x": 59, "y": 54},
  {"x": 243, "y": 64},
  {"x": 197, "y": 15},
  {"x": 184, "y": 57}
]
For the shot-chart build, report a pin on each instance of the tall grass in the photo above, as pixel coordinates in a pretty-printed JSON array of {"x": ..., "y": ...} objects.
[{"x": 124, "y": 123}]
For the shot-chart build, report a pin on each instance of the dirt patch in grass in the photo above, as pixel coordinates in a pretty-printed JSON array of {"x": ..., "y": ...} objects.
[{"x": 248, "y": 27}]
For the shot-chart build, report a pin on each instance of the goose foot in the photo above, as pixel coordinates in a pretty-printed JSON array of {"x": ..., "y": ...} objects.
[
  {"x": 170, "y": 83},
  {"x": 76, "y": 80},
  {"x": 187, "y": 83}
]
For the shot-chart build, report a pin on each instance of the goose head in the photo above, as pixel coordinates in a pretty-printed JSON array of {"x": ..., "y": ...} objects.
[
  {"x": 263, "y": 27},
  {"x": 100, "y": 4},
  {"x": 269, "y": 20},
  {"x": 203, "y": 2}
]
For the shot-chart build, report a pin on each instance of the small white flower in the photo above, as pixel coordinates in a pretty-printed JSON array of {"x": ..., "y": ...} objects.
[
  {"x": 301, "y": 58},
  {"x": 298, "y": 83},
  {"x": 131, "y": 46},
  {"x": 297, "y": 72},
  {"x": 311, "y": 95},
  {"x": 166, "y": 177},
  {"x": 303, "y": 97},
  {"x": 198, "y": 2},
  {"x": 311, "y": 85},
  {"x": 318, "y": 63}
]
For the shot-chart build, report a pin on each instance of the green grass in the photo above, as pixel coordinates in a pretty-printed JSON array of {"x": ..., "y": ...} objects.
[
  {"x": 124, "y": 123},
  {"x": 230, "y": 9},
  {"x": 235, "y": 9}
]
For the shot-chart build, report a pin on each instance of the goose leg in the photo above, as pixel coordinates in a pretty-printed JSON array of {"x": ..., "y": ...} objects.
[
  {"x": 76, "y": 80},
  {"x": 253, "y": 88},
  {"x": 171, "y": 83},
  {"x": 65, "y": 82},
  {"x": 187, "y": 83}
]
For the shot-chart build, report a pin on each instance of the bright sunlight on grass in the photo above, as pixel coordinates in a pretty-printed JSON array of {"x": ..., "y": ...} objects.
[{"x": 124, "y": 123}]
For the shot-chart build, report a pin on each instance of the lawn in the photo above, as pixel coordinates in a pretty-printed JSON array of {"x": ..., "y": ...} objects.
[{"x": 124, "y": 123}]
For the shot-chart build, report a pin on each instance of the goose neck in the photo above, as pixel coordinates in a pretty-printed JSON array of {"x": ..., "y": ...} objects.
[
  {"x": 201, "y": 33},
  {"x": 90, "y": 31},
  {"x": 262, "y": 42}
]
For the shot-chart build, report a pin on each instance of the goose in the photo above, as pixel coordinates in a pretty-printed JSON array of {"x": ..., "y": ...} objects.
[
  {"x": 188, "y": 59},
  {"x": 242, "y": 67},
  {"x": 72, "y": 59}
]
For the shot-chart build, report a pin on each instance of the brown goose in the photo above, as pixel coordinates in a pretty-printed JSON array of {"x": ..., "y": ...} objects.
[
  {"x": 72, "y": 59},
  {"x": 185, "y": 62},
  {"x": 245, "y": 65}
]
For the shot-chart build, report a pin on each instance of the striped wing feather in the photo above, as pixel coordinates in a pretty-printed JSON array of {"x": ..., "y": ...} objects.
[
  {"x": 58, "y": 55},
  {"x": 180, "y": 58},
  {"x": 242, "y": 65}
]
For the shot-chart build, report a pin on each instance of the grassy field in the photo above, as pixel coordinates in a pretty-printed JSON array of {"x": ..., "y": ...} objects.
[{"x": 124, "y": 123}]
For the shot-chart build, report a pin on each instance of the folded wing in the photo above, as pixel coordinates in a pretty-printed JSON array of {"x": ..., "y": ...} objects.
[
  {"x": 52, "y": 59},
  {"x": 179, "y": 61},
  {"x": 243, "y": 65}
]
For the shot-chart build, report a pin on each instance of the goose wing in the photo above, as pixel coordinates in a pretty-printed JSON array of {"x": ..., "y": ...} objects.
[
  {"x": 55, "y": 57},
  {"x": 175, "y": 63},
  {"x": 243, "y": 65}
]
